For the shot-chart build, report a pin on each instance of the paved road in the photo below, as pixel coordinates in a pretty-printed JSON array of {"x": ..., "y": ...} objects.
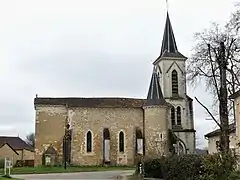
[{"x": 82, "y": 175}]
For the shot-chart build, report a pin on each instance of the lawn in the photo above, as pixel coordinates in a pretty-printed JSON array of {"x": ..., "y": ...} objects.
[{"x": 42, "y": 170}]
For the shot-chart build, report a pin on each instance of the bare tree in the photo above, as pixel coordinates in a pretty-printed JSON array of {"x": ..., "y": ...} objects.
[
  {"x": 234, "y": 22},
  {"x": 204, "y": 66},
  {"x": 30, "y": 139}
]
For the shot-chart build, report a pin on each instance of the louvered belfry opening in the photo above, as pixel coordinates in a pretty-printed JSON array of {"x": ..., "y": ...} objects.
[
  {"x": 106, "y": 146},
  {"x": 174, "y": 83},
  {"x": 179, "y": 116}
]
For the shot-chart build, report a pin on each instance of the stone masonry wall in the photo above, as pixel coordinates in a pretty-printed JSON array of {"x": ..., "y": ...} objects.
[
  {"x": 156, "y": 130},
  {"x": 50, "y": 130},
  {"x": 95, "y": 120}
]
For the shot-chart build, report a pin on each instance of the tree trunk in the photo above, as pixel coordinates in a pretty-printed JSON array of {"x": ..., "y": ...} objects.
[{"x": 223, "y": 101}]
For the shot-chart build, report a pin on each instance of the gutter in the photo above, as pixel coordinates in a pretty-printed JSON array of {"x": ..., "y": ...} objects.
[{"x": 143, "y": 132}]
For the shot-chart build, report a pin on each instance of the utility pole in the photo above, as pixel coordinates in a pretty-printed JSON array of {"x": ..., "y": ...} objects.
[{"x": 223, "y": 100}]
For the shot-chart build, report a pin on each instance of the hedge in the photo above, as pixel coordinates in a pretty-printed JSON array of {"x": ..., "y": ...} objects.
[{"x": 191, "y": 167}]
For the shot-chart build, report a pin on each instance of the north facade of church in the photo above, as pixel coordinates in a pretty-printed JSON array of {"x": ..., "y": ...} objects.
[{"x": 94, "y": 131}]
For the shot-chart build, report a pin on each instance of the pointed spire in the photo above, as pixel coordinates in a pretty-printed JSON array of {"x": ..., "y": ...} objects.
[
  {"x": 155, "y": 96},
  {"x": 168, "y": 42},
  {"x": 169, "y": 45}
]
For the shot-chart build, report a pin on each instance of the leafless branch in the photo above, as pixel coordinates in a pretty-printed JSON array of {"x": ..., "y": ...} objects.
[{"x": 209, "y": 112}]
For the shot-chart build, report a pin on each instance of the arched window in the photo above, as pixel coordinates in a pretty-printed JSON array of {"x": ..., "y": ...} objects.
[
  {"x": 173, "y": 116},
  {"x": 121, "y": 142},
  {"x": 89, "y": 141},
  {"x": 178, "y": 115},
  {"x": 174, "y": 83}
]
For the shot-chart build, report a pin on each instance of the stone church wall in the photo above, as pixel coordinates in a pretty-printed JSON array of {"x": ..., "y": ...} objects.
[{"x": 50, "y": 130}]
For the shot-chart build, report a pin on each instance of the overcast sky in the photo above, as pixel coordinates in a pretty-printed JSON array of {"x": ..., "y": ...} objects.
[{"x": 91, "y": 48}]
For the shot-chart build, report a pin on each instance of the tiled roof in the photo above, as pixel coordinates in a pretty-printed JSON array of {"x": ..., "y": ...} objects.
[
  {"x": 235, "y": 95},
  {"x": 9, "y": 146},
  {"x": 232, "y": 128},
  {"x": 155, "y": 96},
  {"x": 91, "y": 102},
  {"x": 15, "y": 142}
]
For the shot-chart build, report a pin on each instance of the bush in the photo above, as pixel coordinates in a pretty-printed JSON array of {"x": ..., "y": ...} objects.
[
  {"x": 153, "y": 168},
  {"x": 219, "y": 166},
  {"x": 191, "y": 167},
  {"x": 2, "y": 163},
  {"x": 182, "y": 167}
]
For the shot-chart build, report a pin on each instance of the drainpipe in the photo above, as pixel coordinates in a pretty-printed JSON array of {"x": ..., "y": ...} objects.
[
  {"x": 143, "y": 132},
  {"x": 142, "y": 166}
]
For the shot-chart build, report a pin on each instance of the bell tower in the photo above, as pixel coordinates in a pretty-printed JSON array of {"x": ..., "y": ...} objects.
[{"x": 171, "y": 71}]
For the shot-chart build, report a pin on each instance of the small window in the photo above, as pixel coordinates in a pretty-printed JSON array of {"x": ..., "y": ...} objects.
[
  {"x": 173, "y": 115},
  {"x": 179, "y": 115},
  {"x": 89, "y": 141},
  {"x": 121, "y": 142}
]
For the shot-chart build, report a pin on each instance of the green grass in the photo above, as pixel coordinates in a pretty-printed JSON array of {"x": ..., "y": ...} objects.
[{"x": 43, "y": 170}]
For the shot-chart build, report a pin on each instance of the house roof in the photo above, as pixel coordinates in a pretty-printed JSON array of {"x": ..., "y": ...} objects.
[
  {"x": 15, "y": 142},
  {"x": 155, "y": 96},
  {"x": 91, "y": 102},
  {"x": 232, "y": 129},
  {"x": 235, "y": 95},
  {"x": 10, "y": 147}
]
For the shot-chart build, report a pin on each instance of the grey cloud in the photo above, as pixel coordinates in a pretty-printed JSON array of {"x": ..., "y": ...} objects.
[{"x": 99, "y": 72}]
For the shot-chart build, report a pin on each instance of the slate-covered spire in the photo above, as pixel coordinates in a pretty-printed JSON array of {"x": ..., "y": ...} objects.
[
  {"x": 155, "y": 96},
  {"x": 169, "y": 45},
  {"x": 168, "y": 42}
]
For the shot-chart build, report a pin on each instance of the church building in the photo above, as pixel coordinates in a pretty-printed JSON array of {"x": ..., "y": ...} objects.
[{"x": 98, "y": 131}]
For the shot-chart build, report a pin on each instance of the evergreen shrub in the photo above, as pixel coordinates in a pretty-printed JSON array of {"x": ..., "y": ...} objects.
[{"x": 191, "y": 167}]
